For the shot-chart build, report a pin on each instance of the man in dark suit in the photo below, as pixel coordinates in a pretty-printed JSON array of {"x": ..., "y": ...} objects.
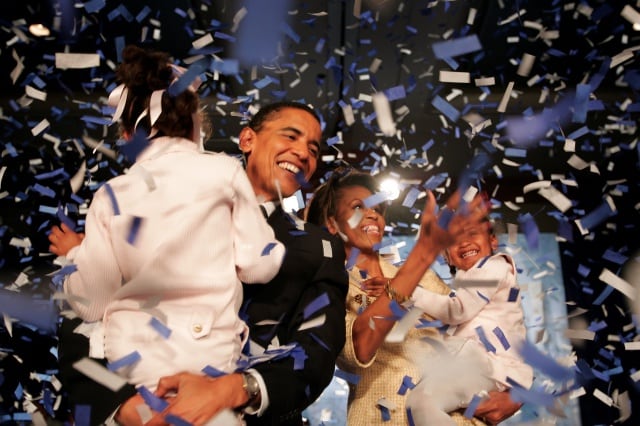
[{"x": 301, "y": 309}]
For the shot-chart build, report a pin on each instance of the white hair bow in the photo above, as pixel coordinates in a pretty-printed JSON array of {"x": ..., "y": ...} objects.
[{"x": 118, "y": 99}]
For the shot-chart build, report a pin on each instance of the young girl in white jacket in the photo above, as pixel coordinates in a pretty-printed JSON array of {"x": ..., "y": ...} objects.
[{"x": 168, "y": 243}]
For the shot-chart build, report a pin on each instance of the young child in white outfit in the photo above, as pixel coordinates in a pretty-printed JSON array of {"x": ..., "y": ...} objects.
[
  {"x": 486, "y": 312},
  {"x": 168, "y": 243}
]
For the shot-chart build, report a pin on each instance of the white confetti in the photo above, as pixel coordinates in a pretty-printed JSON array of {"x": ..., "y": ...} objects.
[
  {"x": 100, "y": 374},
  {"x": 77, "y": 60}
]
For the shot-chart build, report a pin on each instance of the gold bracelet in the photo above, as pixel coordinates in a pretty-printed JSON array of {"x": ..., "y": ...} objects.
[{"x": 393, "y": 294}]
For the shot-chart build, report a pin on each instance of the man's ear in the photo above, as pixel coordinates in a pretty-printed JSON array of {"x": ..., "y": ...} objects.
[{"x": 247, "y": 139}]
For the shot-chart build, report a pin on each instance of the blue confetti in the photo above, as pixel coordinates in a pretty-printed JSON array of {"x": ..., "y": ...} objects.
[
  {"x": 513, "y": 294},
  {"x": 407, "y": 384},
  {"x": 257, "y": 42},
  {"x": 315, "y": 305},
  {"x": 175, "y": 420},
  {"x": 375, "y": 199},
  {"x": 581, "y": 103},
  {"x": 545, "y": 364},
  {"x": 446, "y": 108},
  {"x": 112, "y": 197},
  {"x": 82, "y": 415},
  {"x": 354, "y": 379},
  {"x": 472, "y": 407},
  {"x": 134, "y": 229},
  {"x": 160, "y": 328},
  {"x": 267, "y": 249},
  {"x": 154, "y": 402},
  {"x": 502, "y": 338},
  {"x": 483, "y": 339},
  {"x": 385, "y": 415},
  {"x": 456, "y": 47},
  {"x": 213, "y": 372},
  {"x": 125, "y": 361}
]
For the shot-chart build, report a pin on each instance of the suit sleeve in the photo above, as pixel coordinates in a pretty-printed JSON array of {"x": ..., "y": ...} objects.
[
  {"x": 80, "y": 389},
  {"x": 290, "y": 390}
]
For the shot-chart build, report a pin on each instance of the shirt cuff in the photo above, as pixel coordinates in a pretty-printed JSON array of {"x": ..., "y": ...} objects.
[{"x": 264, "y": 396}]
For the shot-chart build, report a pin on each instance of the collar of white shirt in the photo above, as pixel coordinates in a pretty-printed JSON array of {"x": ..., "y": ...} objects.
[{"x": 269, "y": 207}]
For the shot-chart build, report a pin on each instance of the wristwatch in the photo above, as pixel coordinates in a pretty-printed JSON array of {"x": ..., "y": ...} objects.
[{"x": 252, "y": 387}]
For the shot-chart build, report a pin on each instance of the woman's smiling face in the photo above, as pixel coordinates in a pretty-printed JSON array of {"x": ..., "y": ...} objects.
[{"x": 361, "y": 227}]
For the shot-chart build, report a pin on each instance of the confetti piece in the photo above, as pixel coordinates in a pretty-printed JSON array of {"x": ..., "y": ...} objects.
[
  {"x": 454, "y": 77},
  {"x": 456, "y": 47},
  {"x": 99, "y": 374},
  {"x": 134, "y": 229},
  {"x": 383, "y": 114},
  {"x": 154, "y": 402},
  {"x": 407, "y": 384},
  {"x": 483, "y": 339},
  {"x": 408, "y": 321},
  {"x": 255, "y": 42},
  {"x": 446, "y": 108},
  {"x": 327, "y": 250},
  {"x": 160, "y": 328},
  {"x": 473, "y": 406},
  {"x": 267, "y": 249},
  {"x": 502, "y": 338},
  {"x": 502, "y": 107},
  {"x": 125, "y": 361},
  {"x": 354, "y": 379},
  {"x": 618, "y": 283},
  {"x": 213, "y": 372},
  {"x": 77, "y": 60},
  {"x": 546, "y": 364},
  {"x": 315, "y": 305}
]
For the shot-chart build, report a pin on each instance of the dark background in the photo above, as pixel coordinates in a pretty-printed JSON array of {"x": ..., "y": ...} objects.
[{"x": 329, "y": 50}]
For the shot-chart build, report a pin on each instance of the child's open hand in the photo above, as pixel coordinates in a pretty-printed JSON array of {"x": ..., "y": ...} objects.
[{"x": 63, "y": 239}]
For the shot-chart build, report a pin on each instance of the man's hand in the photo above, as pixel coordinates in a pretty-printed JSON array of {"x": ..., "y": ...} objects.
[
  {"x": 63, "y": 239},
  {"x": 498, "y": 407},
  {"x": 128, "y": 413},
  {"x": 199, "y": 398}
]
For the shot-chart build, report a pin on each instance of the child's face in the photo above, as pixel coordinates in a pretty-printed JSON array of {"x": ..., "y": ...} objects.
[{"x": 476, "y": 243}]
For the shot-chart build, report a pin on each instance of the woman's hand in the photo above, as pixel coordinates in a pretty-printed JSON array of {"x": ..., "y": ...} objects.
[
  {"x": 63, "y": 239},
  {"x": 374, "y": 286}
]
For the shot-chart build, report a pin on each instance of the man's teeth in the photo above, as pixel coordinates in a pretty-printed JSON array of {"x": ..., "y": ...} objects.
[
  {"x": 290, "y": 167},
  {"x": 469, "y": 253},
  {"x": 371, "y": 228}
]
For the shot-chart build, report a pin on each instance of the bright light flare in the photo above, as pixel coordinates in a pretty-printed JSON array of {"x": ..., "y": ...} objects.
[{"x": 391, "y": 187}]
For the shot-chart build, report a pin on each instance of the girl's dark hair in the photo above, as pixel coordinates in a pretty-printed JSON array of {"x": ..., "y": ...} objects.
[
  {"x": 143, "y": 72},
  {"x": 324, "y": 202}
]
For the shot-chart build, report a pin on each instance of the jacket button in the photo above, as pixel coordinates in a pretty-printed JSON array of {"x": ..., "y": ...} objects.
[{"x": 197, "y": 328}]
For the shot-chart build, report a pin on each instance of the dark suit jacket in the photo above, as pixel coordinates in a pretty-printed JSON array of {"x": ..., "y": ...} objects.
[{"x": 306, "y": 274}]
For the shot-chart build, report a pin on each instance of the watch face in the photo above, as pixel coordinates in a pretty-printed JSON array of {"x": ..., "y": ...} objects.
[{"x": 251, "y": 385}]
